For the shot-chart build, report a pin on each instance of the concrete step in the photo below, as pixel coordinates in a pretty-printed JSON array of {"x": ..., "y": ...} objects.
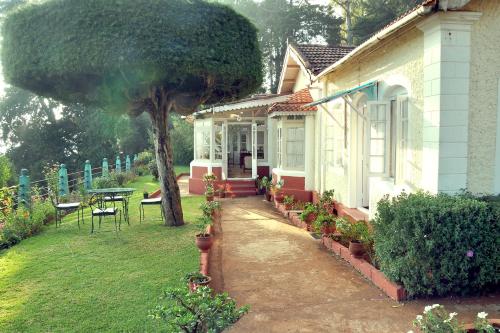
[{"x": 240, "y": 193}]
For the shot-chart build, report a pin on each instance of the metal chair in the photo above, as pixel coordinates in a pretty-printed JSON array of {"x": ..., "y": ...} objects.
[
  {"x": 98, "y": 206},
  {"x": 149, "y": 202},
  {"x": 123, "y": 200},
  {"x": 68, "y": 206}
]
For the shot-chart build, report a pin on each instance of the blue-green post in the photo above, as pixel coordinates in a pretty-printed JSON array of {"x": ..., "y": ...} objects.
[
  {"x": 127, "y": 164},
  {"x": 105, "y": 167},
  {"x": 118, "y": 164},
  {"x": 24, "y": 195},
  {"x": 63, "y": 181},
  {"x": 87, "y": 175}
]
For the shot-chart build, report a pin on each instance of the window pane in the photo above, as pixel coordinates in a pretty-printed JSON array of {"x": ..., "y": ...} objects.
[{"x": 377, "y": 164}]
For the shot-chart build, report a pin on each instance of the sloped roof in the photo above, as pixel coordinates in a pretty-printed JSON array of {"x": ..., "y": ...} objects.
[
  {"x": 255, "y": 101},
  {"x": 318, "y": 57},
  {"x": 295, "y": 103}
]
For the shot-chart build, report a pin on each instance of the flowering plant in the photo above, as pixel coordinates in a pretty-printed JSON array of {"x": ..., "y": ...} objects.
[{"x": 436, "y": 319}]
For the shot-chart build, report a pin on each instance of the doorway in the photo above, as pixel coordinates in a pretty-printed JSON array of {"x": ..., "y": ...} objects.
[{"x": 239, "y": 150}]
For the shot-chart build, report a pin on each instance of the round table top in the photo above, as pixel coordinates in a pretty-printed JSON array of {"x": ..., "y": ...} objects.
[{"x": 115, "y": 190}]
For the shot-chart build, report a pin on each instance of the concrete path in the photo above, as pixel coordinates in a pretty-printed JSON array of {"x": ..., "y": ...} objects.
[
  {"x": 183, "y": 183},
  {"x": 293, "y": 285}
]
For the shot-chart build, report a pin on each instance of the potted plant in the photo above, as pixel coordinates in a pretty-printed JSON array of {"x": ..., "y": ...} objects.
[
  {"x": 203, "y": 239},
  {"x": 145, "y": 194},
  {"x": 309, "y": 214},
  {"x": 277, "y": 190},
  {"x": 288, "y": 201},
  {"x": 222, "y": 191},
  {"x": 210, "y": 208},
  {"x": 196, "y": 279},
  {"x": 265, "y": 184},
  {"x": 324, "y": 223},
  {"x": 209, "y": 181},
  {"x": 327, "y": 201},
  {"x": 356, "y": 233}
]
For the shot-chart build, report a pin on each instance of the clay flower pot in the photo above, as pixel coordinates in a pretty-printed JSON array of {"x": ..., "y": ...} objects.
[
  {"x": 279, "y": 197},
  {"x": 209, "y": 197},
  {"x": 204, "y": 242},
  {"x": 288, "y": 206},
  {"x": 193, "y": 285},
  {"x": 268, "y": 196},
  {"x": 357, "y": 249},
  {"x": 469, "y": 328},
  {"x": 311, "y": 218},
  {"x": 327, "y": 229}
]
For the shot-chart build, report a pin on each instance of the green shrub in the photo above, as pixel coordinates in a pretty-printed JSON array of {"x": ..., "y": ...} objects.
[
  {"x": 197, "y": 311},
  {"x": 104, "y": 182},
  {"x": 438, "y": 245},
  {"x": 153, "y": 169},
  {"x": 143, "y": 159}
]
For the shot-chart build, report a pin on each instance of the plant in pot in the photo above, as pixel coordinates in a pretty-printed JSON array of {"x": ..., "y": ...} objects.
[
  {"x": 209, "y": 181},
  {"x": 356, "y": 233},
  {"x": 288, "y": 201},
  {"x": 277, "y": 190},
  {"x": 196, "y": 279},
  {"x": 327, "y": 202},
  {"x": 203, "y": 239},
  {"x": 324, "y": 223},
  {"x": 210, "y": 208},
  {"x": 222, "y": 191},
  {"x": 309, "y": 214},
  {"x": 265, "y": 184},
  {"x": 145, "y": 194}
]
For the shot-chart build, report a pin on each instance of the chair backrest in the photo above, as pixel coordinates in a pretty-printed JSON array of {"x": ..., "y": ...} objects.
[
  {"x": 97, "y": 201},
  {"x": 248, "y": 162}
]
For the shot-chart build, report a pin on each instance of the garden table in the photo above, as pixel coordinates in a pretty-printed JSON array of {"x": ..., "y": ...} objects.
[{"x": 110, "y": 194}]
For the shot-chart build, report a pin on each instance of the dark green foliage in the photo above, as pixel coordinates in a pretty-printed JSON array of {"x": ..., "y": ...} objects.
[
  {"x": 104, "y": 182},
  {"x": 7, "y": 173},
  {"x": 182, "y": 140},
  {"x": 197, "y": 312},
  {"x": 438, "y": 245},
  {"x": 111, "y": 52},
  {"x": 153, "y": 169}
]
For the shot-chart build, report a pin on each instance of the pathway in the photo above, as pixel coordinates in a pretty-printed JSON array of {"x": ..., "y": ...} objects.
[{"x": 293, "y": 285}]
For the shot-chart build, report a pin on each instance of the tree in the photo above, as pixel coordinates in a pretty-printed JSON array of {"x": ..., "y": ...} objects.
[
  {"x": 134, "y": 56},
  {"x": 282, "y": 21}
]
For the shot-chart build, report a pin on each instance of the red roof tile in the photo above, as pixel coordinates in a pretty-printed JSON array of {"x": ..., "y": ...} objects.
[
  {"x": 295, "y": 103},
  {"x": 319, "y": 57}
]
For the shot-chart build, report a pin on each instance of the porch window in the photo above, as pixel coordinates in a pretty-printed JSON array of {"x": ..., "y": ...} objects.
[
  {"x": 261, "y": 139},
  {"x": 202, "y": 143},
  {"x": 379, "y": 129},
  {"x": 335, "y": 137},
  {"x": 404, "y": 143},
  {"x": 218, "y": 141},
  {"x": 295, "y": 148}
]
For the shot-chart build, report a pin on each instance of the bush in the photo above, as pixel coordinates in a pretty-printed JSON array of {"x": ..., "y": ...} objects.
[
  {"x": 153, "y": 169},
  {"x": 438, "y": 245},
  {"x": 104, "y": 182},
  {"x": 143, "y": 159},
  {"x": 198, "y": 311},
  {"x": 22, "y": 224}
]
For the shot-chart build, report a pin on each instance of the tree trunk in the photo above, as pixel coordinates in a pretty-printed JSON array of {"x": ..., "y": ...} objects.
[
  {"x": 348, "y": 23},
  {"x": 170, "y": 194}
]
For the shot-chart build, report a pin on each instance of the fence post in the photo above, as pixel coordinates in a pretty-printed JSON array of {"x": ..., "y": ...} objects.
[
  {"x": 24, "y": 195},
  {"x": 118, "y": 164},
  {"x": 87, "y": 174},
  {"x": 132, "y": 160},
  {"x": 105, "y": 168},
  {"x": 127, "y": 164},
  {"x": 63, "y": 180}
]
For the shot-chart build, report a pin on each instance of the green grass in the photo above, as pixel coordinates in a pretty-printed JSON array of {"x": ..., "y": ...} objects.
[
  {"x": 67, "y": 280},
  {"x": 181, "y": 169}
]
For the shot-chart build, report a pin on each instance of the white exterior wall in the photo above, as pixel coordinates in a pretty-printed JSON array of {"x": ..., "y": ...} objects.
[{"x": 398, "y": 62}]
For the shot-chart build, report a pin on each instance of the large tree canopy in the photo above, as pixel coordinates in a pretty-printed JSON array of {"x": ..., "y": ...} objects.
[
  {"x": 135, "y": 55},
  {"x": 113, "y": 51}
]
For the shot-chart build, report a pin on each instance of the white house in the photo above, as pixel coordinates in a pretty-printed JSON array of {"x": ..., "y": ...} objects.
[{"x": 414, "y": 107}]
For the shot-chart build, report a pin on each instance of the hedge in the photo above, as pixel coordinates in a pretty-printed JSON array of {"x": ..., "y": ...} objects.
[{"x": 437, "y": 245}]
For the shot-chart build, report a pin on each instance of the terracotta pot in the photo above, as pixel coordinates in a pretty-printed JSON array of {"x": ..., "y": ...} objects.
[
  {"x": 215, "y": 215},
  {"x": 279, "y": 197},
  {"x": 288, "y": 206},
  {"x": 311, "y": 218},
  {"x": 204, "y": 242},
  {"x": 327, "y": 229},
  {"x": 357, "y": 249},
  {"x": 209, "y": 197},
  {"x": 268, "y": 196},
  {"x": 194, "y": 285},
  {"x": 469, "y": 328}
]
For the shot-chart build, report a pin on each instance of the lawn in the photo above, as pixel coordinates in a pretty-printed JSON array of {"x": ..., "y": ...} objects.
[
  {"x": 66, "y": 279},
  {"x": 182, "y": 169}
]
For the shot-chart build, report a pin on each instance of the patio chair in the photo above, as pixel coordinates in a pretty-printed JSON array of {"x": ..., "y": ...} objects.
[
  {"x": 66, "y": 207},
  {"x": 123, "y": 200},
  {"x": 149, "y": 202},
  {"x": 99, "y": 208}
]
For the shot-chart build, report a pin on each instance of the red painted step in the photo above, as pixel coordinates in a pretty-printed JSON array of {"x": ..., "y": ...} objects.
[{"x": 240, "y": 188}]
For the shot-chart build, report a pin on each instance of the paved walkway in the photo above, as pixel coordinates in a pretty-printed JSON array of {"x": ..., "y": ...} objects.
[{"x": 293, "y": 285}]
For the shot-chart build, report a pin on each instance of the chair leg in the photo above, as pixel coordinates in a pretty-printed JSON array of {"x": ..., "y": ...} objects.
[
  {"x": 78, "y": 214},
  {"x": 116, "y": 230},
  {"x": 140, "y": 214},
  {"x": 56, "y": 217},
  {"x": 100, "y": 220},
  {"x": 83, "y": 218},
  {"x": 92, "y": 230}
]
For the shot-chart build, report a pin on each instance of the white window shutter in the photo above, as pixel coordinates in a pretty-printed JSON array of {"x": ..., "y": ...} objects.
[{"x": 378, "y": 132}]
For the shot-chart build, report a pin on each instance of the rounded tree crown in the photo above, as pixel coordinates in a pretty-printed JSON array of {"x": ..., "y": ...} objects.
[{"x": 113, "y": 52}]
